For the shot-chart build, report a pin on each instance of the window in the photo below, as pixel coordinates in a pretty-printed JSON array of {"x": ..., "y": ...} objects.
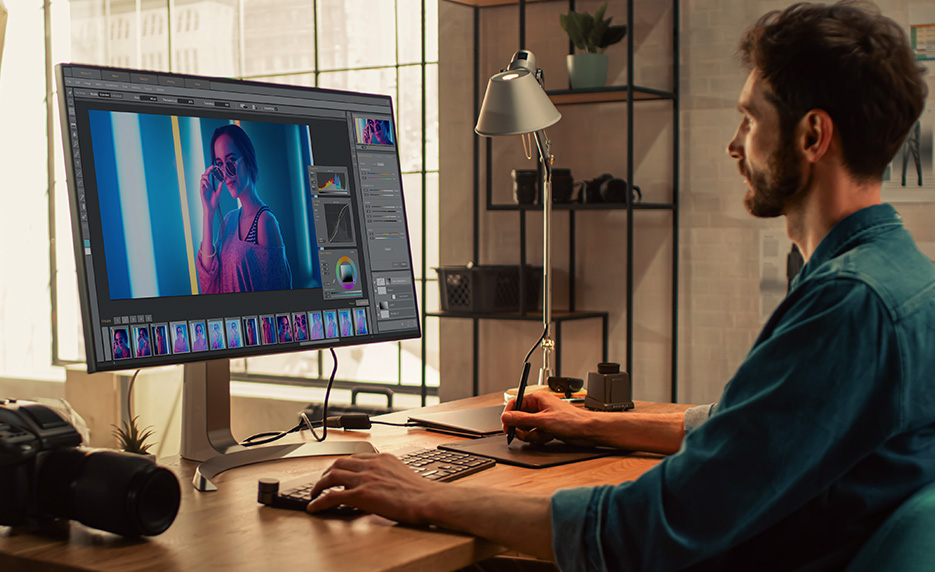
[{"x": 379, "y": 47}]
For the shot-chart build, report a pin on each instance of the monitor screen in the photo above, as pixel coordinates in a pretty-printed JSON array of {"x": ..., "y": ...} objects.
[{"x": 216, "y": 218}]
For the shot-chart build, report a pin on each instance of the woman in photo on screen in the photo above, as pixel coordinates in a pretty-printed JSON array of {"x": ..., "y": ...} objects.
[
  {"x": 233, "y": 334},
  {"x": 217, "y": 336},
  {"x": 249, "y": 254},
  {"x": 300, "y": 327},
  {"x": 251, "y": 332},
  {"x": 121, "y": 349},
  {"x": 162, "y": 347},
  {"x": 285, "y": 329},
  {"x": 331, "y": 325},
  {"x": 318, "y": 329},
  {"x": 268, "y": 336},
  {"x": 142, "y": 343},
  {"x": 200, "y": 343},
  {"x": 181, "y": 340}
]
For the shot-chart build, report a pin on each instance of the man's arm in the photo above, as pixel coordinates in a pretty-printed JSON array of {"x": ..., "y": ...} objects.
[
  {"x": 382, "y": 484},
  {"x": 546, "y": 417}
]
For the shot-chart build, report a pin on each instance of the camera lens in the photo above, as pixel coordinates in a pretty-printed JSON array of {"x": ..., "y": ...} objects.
[{"x": 118, "y": 492}]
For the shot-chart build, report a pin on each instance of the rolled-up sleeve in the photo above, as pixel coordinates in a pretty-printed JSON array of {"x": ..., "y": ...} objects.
[{"x": 695, "y": 416}]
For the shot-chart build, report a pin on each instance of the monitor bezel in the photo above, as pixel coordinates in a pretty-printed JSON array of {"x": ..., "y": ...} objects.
[{"x": 246, "y": 351}]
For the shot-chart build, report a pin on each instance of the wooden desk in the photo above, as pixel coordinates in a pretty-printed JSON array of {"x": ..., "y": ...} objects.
[{"x": 229, "y": 530}]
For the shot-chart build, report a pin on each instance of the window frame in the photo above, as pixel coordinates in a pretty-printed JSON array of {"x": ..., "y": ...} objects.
[{"x": 422, "y": 389}]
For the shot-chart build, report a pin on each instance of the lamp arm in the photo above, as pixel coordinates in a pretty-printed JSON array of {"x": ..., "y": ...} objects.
[
  {"x": 548, "y": 345},
  {"x": 545, "y": 146}
]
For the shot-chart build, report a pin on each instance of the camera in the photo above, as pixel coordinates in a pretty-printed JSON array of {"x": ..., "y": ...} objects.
[
  {"x": 566, "y": 385},
  {"x": 609, "y": 389},
  {"x": 45, "y": 475}
]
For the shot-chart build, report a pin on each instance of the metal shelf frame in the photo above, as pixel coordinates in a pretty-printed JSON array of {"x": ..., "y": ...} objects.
[{"x": 628, "y": 94}]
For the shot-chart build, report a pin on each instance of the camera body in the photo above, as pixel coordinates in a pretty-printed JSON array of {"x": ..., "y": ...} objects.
[
  {"x": 44, "y": 475},
  {"x": 609, "y": 389}
]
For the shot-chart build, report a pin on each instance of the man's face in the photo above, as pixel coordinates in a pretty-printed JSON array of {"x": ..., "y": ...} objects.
[{"x": 766, "y": 157}]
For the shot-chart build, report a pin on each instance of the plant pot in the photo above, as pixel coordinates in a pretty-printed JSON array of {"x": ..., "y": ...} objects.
[{"x": 587, "y": 70}]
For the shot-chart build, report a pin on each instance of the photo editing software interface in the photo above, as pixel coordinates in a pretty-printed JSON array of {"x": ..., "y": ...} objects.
[{"x": 218, "y": 218}]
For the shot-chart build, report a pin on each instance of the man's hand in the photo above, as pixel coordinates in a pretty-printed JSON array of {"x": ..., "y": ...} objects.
[
  {"x": 383, "y": 485},
  {"x": 377, "y": 483},
  {"x": 545, "y": 417}
]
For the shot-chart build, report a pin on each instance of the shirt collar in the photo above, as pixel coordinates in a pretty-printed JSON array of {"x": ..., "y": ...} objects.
[{"x": 848, "y": 230}]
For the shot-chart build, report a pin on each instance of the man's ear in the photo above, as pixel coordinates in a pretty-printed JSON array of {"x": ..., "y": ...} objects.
[{"x": 816, "y": 131}]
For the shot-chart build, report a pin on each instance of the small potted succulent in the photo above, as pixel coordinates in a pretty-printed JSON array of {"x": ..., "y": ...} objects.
[
  {"x": 593, "y": 34},
  {"x": 133, "y": 440}
]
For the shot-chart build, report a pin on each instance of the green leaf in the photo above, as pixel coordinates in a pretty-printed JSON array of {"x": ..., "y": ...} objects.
[
  {"x": 613, "y": 35},
  {"x": 131, "y": 439},
  {"x": 599, "y": 15},
  {"x": 595, "y": 40},
  {"x": 573, "y": 25},
  {"x": 591, "y": 33}
]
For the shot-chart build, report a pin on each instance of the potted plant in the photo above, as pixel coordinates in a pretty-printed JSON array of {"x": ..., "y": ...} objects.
[
  {"x": 592, "y": 34},
  {"x": 132, "y": 440}
]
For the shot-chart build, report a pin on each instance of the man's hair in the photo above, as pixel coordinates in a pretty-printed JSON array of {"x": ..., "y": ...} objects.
[{"x": 849, "y": 61}]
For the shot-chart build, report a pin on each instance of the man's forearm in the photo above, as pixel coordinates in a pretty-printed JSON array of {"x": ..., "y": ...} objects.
[
  {"x": 653, "y": 432},
  {"x": 522, "y": 522}
]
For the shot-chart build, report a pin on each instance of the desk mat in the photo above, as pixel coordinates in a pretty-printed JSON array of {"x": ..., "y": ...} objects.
[{"x": 526, "y": 454}]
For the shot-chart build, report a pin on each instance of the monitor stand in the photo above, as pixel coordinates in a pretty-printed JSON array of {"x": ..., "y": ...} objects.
[{"x": 206, "y": 433}]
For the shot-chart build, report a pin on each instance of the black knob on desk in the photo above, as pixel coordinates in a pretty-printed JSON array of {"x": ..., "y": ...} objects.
[
  {"x": 267, "y": 489},
  {"x": 608, "y": 367}
]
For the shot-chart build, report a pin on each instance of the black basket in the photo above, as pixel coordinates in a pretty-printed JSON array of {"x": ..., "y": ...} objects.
[{"x": 490, "y": 288}]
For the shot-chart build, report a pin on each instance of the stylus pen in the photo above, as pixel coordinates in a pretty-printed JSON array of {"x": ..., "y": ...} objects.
[{"x": 511, "y": 432}]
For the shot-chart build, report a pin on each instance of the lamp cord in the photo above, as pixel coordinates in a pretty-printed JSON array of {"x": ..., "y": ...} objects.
[{"x": 527, "y": 144}]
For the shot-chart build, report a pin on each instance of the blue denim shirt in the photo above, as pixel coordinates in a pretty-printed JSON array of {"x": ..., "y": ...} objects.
[{"x": 828, "y": 424}]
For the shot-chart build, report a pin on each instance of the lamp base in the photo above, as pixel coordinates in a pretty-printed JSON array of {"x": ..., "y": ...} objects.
[{"x": 544, "y": 375}]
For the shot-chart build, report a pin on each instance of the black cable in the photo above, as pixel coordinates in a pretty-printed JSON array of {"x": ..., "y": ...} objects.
[
  {"x": 536, "y": 345},
  {"x": 306, "y": 422},
  {"x": 130, "y": 394},
  {"x": 324, "y": 407},
  {"x": 272, "y": 436}
]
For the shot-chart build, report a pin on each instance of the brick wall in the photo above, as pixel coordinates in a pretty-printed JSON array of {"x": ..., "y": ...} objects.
[{"x": 719, "y": 280}]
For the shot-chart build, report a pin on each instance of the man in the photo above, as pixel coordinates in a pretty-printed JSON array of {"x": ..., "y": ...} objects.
[{"x": 829, "y": 423}]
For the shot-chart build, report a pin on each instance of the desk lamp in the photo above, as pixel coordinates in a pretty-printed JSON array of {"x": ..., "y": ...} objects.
[{"x": 516, "y": 104}]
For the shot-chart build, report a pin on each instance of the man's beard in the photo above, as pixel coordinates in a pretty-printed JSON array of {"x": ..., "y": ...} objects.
[{"x": 771, "y": 190}]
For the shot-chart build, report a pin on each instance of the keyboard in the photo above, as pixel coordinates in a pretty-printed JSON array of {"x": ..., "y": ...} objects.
[{"x": 431, "y": 464}]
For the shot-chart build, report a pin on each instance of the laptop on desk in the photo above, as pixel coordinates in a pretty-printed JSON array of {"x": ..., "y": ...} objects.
[{"x": 478, "y": 422}]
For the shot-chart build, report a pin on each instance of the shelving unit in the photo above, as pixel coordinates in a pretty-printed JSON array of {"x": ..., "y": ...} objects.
[{"x": 628, "y": 95}]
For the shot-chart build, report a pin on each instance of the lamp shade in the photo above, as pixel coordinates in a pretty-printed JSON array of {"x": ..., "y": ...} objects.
[{"x": 515, "y": 103}]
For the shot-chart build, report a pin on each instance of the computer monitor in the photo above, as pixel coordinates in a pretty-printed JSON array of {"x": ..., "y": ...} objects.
[{"x": 215, "y": 218}]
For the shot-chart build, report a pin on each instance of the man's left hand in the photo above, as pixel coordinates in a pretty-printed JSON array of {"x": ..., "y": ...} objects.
[{"x": 377, "y": 483}]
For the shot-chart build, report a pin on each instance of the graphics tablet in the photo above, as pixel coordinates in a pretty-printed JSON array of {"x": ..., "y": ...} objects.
[
  {"x": 476, "y": 422},
  {"x": 526, "y": 454}
]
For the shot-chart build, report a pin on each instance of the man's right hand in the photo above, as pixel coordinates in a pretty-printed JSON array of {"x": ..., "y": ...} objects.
[{"x": 545, "y": 417}]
